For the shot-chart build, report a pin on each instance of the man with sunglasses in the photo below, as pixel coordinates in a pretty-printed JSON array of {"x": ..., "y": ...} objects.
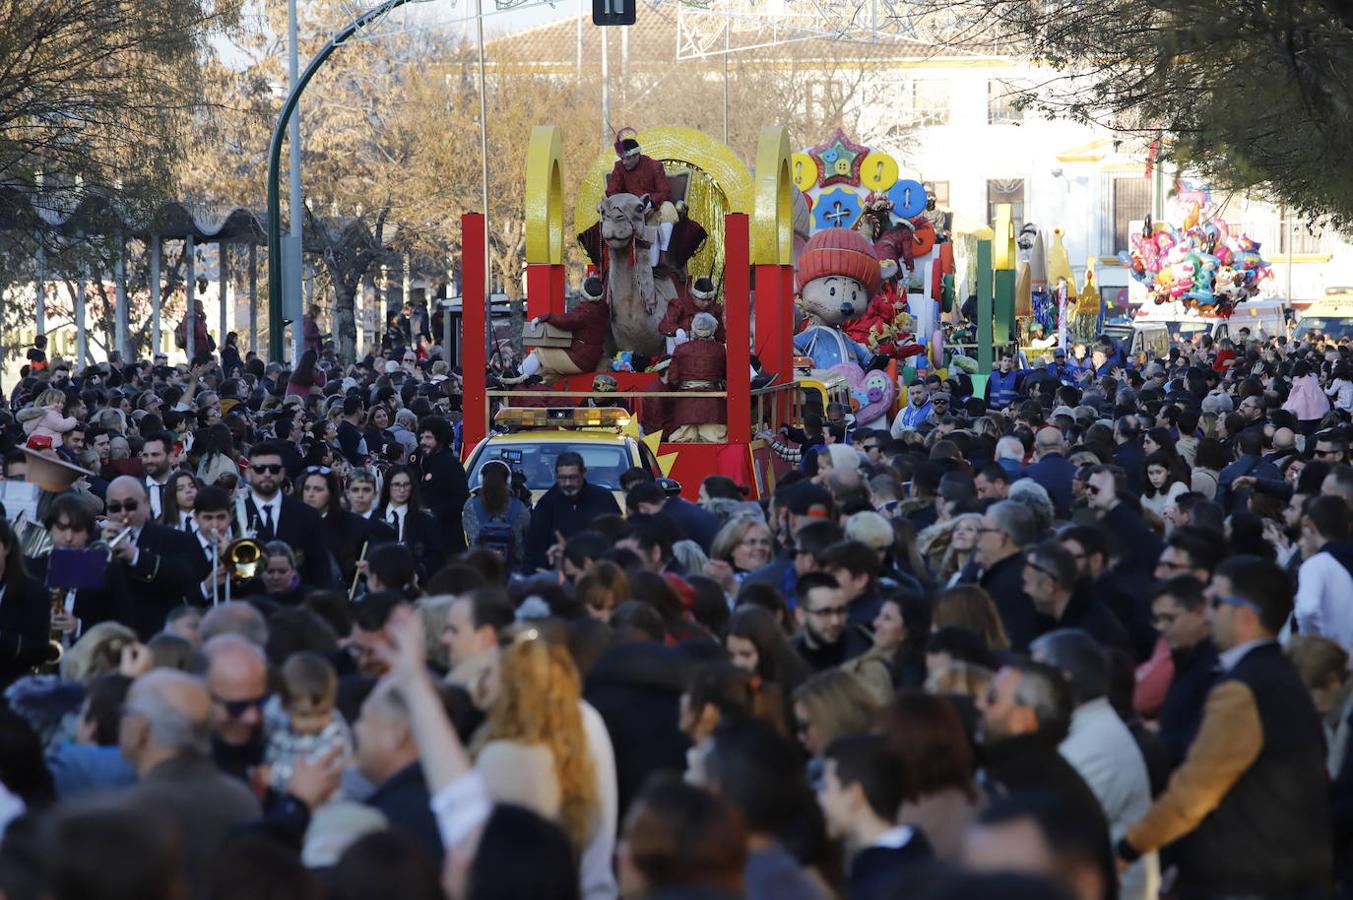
[
  {"x": 152, "y": 568},
  {"x": 1252, "y": 796},
  {"x": 275, "y": 517},
  {"x": 1050, "y": 580}
]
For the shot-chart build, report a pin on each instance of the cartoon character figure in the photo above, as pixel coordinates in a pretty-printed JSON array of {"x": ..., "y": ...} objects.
[
  {"x": 871, "y": 393},
  {"x": 838, "y": 275}
]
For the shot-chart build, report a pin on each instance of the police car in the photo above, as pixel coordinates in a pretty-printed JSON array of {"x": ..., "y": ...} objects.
[{"x": 530, "y": 440}]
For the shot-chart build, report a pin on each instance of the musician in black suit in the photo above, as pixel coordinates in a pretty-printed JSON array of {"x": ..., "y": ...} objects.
[
  {"x": 347, "y": 534},
  {"x": 272, "y": 516},
  {"x": 25, "y": 612},
  {"x": 71, "y": 525},
  {"x": 442, "y": 480},
  {"x": 213, "y": 516},
  {"x": 401, "y": 509},
  {"x": 153, "y": 568}
]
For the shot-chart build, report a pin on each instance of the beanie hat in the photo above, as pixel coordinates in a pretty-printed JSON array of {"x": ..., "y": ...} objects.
[
  {"x": 840, "y": 251},
  {"x": 702, "y": 288},
  {"x": 593, "y": 288},
  {"x": 704, "y": 325}
]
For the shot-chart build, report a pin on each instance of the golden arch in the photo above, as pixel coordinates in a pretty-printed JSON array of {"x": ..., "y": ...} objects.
[
  {"x": 720, "y": 184},
  {"x": 773, "y": 216},
  {"x": 545, "y": 196}
]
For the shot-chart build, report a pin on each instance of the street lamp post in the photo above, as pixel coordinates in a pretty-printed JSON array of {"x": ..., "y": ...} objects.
[{"x": 275, "y": 309}]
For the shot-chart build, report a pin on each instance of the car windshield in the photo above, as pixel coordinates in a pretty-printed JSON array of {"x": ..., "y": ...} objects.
[
  {"x": 1332, "y": 327},
  {"x": 605, "y": 462}
]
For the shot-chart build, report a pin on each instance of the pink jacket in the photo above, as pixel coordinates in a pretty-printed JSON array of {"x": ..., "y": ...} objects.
[
  {"x": 1307, "y": 401},
  {"x": 51, "y": 423}
]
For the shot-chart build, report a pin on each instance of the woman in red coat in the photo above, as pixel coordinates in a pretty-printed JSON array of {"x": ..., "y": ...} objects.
[
  {"x": 589, "y": 322},
  {"x": 700, "y": 364}
]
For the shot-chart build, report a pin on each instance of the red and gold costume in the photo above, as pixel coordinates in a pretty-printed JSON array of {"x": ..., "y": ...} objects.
[
  {"x": 681, "y": 309},
  {"x": 699, "y": 365},
  {"x": 648, "y": 177},
  {"x": 589, "y": 321}
]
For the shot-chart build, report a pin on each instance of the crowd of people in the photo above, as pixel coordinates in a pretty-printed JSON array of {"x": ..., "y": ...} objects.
[{"x": 1084, "y": 635}]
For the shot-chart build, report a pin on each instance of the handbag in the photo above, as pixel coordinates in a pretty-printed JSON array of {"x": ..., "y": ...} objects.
[{"x": 545, "y": 335}]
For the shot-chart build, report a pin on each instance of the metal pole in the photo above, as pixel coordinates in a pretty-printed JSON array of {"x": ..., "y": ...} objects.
[
  {"x": 253, "y": 298},
  {"x": 156, "y": 298},
  {"x": 294, "y": 165},
  {"x": 275, "y": 310},
  {"x": 41, "y": 290},
  {"x": 727, "y": 26},
  {"x": 605, "y": 87},
  {"x": 190, "y": 299},
  {"x": 578, "y": 67},
  {"x": 81, "y": 334},
  {"x": 120, "y": 279},
  {"x": 484, "y": 143},
  {"x": 224, "y": 295}
]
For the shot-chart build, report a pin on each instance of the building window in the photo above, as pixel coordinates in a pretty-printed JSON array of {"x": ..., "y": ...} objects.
[
  {"x": 1303, "y": 238},
  {"x": 1001, "y": 107},
  {"x": 1131, "y": 198},
  {"x": 929, "y": 103},
  {"x": 940, "y": 191},
  {"x": 1006, "y": 190}
]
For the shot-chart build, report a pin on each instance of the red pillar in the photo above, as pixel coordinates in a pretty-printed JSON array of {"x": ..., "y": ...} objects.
[
  {"x": 473, "y": 331},
  {"x": 544, "y": 289},
  {"x": 775, "y": 327},
  {"x": 737, "y": 323}
]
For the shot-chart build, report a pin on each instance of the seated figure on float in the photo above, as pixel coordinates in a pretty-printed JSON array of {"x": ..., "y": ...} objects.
[
  {"x": 676, "y": 323},
  {"x": 588, "y": 322},
  {"x": 699, "y": 364},
  {"x": 637, "y": 174}
]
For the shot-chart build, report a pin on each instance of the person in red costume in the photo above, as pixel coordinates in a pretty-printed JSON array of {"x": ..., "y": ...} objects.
[
  {"x": 637, "y": 174},
  {"x": 676, "y": 323},
  {"x": 589, "y": 322},
  {"x": 700, "y": 364}
]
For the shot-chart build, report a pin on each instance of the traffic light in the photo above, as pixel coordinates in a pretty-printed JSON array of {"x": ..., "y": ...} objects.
[{"x": 613, "y": 12}]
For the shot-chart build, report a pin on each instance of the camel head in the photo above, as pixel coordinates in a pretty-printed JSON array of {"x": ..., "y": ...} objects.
[{"x": 622, "y": 218}]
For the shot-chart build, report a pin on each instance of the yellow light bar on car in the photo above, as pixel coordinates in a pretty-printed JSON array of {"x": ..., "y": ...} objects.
[
  {"x": 803, "y": 362},
  {"x": 521, "y": 419}
]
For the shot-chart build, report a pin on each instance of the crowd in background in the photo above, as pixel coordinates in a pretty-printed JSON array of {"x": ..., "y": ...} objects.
[{"x": 1085, "y": 635}]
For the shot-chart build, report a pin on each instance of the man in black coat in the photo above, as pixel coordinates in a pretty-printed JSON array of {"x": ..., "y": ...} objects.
[
  {"x": 1008, "y": 527},
  {"x": 273, "y": 516},
  {"x": 71, "y": 525},
  {"x": 565, "y": 509},
  {"x": 153, "y": 569},
  {"x": 1179, "y": 610},
  {"x": 444, "y": 487},
  {"x": 1050, "y": 580}
]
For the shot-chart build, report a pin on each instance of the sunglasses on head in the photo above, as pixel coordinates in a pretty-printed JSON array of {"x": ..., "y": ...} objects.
[
  {"x": 267, "y": 468},
  {"x": 128, "y": 505}
]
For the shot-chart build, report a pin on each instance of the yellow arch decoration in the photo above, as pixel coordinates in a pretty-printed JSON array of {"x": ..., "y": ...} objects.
[
  {"x": 772, "y": 222},
  {"x": 545, "y": 196}
]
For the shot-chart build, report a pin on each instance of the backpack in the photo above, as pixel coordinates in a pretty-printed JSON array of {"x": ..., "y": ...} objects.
[{"x": 496, "y": 532}]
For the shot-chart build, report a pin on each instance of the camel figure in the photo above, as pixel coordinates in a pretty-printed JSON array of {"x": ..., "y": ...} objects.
[{"x": 638, "y": 301}]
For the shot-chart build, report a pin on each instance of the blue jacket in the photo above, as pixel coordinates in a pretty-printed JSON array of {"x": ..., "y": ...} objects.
[
  {"x": 1055, "y": 473},
  {"x": 1002, "y": 390}
]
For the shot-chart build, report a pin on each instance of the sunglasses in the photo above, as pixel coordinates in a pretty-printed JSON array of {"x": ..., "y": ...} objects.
[
  {"x": 129, "y": 505},
  {"x": 1219, "y": 602},
  {"x": 267, "y": 469},
  {"x": 1092, "y": 489},
  {"x": 237, "y": 708}
]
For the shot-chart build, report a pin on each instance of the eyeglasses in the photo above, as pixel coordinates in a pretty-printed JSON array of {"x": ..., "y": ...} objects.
[
  {"x": 114, "y": 507},
  {"x": 237, "y": 708},
  {"x": 830, "y": 612},
  {"x": 1219, "y": 602},
  {"x": 267, "y": 468}
]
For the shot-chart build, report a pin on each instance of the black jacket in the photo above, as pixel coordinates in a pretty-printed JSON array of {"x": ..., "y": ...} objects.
[
  {"x": 1132, "y": 458},
  {"x": 423, "y": 535},
  {"x": 444, "y": 490},
  {"x": 302, "y": 529},
  {"x": 556, "y": 511},
  {"x": 404, "y": 799},
  {"x": 696, "y": 523},
  {"x": 1195, "y": 671},
  {"x": 1005, "y": 583},
  {"x": 1095, "y": 619},
  {"x": 25, "y": 624},
  {"x": 1271, "y": 833},
  {"x": 168, "y": 573},
  {"x": 874, "y": 871},
  {"x": 855, "y": 641}
]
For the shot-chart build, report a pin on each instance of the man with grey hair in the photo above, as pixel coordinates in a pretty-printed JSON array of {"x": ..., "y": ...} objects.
[
  {"x": 1025, "y": 716},
  {"x": 1010, "y": 455},
  {"x": 165, "y": 734},
  {"x": 1101, "y": 748},
  {"x": 1008, "y": 527},
  {"x": 235, "y": 617},
  {"x": 1058, "y": 593},
  {"x": 1052, "y": 470}
]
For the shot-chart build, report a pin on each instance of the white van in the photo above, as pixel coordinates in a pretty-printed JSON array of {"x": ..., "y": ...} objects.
[
  {"x": 1155, "y": 328},
  {"x": 1332, "y": 316}
]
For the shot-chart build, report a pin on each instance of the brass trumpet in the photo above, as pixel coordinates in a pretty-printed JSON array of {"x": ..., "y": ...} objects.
[{"x": 243, "y": 556}]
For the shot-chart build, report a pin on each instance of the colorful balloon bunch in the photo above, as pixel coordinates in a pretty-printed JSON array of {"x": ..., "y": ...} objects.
[{"x": 1202, "y": 267}]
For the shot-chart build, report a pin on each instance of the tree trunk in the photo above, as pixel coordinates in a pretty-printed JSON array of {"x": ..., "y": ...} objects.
[{"x": 345, "y": 321}]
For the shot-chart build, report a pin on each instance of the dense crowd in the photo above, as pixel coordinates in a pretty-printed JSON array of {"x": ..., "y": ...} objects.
[{"x": 1083, "y": 635}]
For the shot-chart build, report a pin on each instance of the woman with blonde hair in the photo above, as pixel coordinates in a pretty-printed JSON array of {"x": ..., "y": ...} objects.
[
  {"x": 741, "y": 546},
  {"x": 830, "y": 704},
  {"x": 971, "y": 607},
  {"x": 601, "y": 589},
  {"x": 533, "y": 750},
  {"x": 949, "y": 546},
  {"x": 97, "y": 652}
]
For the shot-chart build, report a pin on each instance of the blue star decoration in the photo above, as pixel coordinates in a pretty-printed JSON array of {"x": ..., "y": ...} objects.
[
  {"x": 837, "y": 208},
  {"x": 839, "y": 160}
]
